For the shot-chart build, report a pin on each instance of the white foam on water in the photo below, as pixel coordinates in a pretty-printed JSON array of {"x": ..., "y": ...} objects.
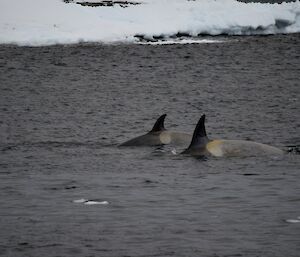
[{"x": 173, "y": 151}]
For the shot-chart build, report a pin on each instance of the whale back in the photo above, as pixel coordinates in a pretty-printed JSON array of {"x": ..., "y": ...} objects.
[
  {"x": 201, "y": 145},
  {"x": 199, "y": 139},
  {"x": 159, "y": 124},
  {"x": 151, "y": 138},
  {"x": 241, "y": 148}
]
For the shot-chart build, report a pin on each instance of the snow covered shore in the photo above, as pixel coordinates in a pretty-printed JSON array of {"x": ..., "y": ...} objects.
[{"x": 46, "y": 22}]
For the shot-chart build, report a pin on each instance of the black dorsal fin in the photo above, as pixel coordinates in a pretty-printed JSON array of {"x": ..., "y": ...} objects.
[
  {"x": 159, "y": 124},
  {"x": 199, "y": 137}
]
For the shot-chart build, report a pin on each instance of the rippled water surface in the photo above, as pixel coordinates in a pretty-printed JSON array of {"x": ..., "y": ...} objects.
[{"x": 64, "y": 110}]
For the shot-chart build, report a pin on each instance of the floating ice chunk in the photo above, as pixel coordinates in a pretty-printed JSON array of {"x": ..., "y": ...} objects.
[
  {"x": 293, "y": 221},
  {"x": 82, "y": 200},
  {"x": 91, "y": 202}
]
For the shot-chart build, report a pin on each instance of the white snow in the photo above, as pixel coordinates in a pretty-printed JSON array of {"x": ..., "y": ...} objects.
[{"x": 46, "y": 22}]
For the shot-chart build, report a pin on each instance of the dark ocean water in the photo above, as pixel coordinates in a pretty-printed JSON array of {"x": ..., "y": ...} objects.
[{"x": 64, "y": 110}]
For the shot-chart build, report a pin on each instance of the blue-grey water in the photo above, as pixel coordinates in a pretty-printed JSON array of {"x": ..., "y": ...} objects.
[{"x": 65, "y": 109}]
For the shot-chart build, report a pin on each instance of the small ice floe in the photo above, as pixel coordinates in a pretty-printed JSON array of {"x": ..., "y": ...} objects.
[
  {"x": 90, "y": 202},
  {"x": 293, "y": 221},
  {"x": 82, "y": 200},
  {"x": 297, "y": 220}
]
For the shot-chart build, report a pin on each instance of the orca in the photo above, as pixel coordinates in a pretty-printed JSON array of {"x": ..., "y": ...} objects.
[
  {"x": 201, "y": 145},
  {"x": 158, "y": 135}
]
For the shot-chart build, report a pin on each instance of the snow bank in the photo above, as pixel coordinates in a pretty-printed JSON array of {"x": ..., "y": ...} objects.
[{"x": 46, "y": 22}]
